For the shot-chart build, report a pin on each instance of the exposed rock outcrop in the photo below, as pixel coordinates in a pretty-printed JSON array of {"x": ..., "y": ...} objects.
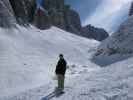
[
  {"x": 62, "y": 16},
  {"x": 48, "y": 13},
  {"x": 72, "y": 21},
  {"x": 6, "y": 14},
  {"x": 42, "y": 19},
  {"x": 53, "y": 4},
  {"x": 24, "y": 10},
  {"x": 94, "y": 33},
  {"x": 131, "y": 10},
  {"x": 117, "y": 47},
  {"x": 57, "y": 18}
]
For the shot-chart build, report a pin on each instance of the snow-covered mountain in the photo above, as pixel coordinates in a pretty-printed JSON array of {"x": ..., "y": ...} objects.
[
  {"x": 117, "y": 47},
  {"x": 28, "y": 56},
  {"x": 28, "y": 59},
  {"x": 43, "y": 16},
  {"x": 27, "y": 63}
]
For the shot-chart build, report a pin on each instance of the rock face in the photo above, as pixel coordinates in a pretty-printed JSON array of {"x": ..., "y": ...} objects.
[
  {"x": 6, "y": 14},
  {"x": 58, "y": 14},
  {"x": 53, "y": 4},
  {"x": 57, "y": 18},
  {"x": 117, "y": 47},
  {"x": 72, "y": 20},
  {"x": 94, "y": 33},
  {"x": 62, "y": 16},
  {"x": 24, "y": 10},
  {"x": 50, "y": 12},
  {"x": 53, "y": 14},
  {"x": 42, "y": 19},
  {"x": 131, "y": 10}
]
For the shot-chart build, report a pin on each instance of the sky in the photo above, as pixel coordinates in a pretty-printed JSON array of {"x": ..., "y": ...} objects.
[
  {"x": 39, "y": 3},
  {"x": 84, "y": 7},
  {"x": 107, "y": 14}
]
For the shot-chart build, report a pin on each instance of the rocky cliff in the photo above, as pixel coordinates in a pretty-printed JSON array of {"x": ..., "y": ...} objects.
[
  {"x": 6, "y": 14},
  {"x": 23, "y": 10},
  {"x": 95, "y": 33},
  {"x": 131, "y": 10},
  {"x": 51, "y": 12}
]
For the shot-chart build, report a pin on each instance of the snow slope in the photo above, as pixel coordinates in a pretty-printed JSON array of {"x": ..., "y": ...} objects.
[
  {"x": 28, "y": 57},
  {"x": 111, "y": 83},
  {"x": 117, "y": 47}
]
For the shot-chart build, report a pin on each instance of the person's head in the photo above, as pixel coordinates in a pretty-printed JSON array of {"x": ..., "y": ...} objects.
[{"x": 61, "y": 56}]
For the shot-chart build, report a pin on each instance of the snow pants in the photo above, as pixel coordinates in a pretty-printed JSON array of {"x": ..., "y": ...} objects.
[{"x": 61, "y": 79}]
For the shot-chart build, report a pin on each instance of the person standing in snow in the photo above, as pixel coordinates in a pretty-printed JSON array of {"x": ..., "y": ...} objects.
[{"x": 60, "y": 71}]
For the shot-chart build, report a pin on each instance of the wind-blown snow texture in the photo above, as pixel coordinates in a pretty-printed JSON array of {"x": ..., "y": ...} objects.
[{"x": 28, "y": 56}]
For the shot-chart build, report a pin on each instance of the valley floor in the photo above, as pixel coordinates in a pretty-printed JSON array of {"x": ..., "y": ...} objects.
[
  {"x": 112, "y": 83},
  {"x": 28, "y": 62}
]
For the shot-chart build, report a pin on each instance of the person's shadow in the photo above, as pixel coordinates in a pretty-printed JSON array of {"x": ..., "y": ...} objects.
[{"x": 52, "y": 95}]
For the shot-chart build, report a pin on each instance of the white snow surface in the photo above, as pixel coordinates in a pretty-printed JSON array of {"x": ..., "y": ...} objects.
[
  {"x": 28, "y": 57},
  {"x": 111, "y": 83}
]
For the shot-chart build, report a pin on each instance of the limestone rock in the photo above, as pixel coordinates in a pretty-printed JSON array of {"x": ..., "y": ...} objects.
[
  {"x": 6, "y": 14},
  {"x": 94, "y": 33},
  {"x": 24, "y": 10},
  {"x": 42, "y": 19}
]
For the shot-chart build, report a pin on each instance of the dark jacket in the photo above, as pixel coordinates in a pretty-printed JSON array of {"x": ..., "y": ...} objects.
[{"x": 61, "y": 67}]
